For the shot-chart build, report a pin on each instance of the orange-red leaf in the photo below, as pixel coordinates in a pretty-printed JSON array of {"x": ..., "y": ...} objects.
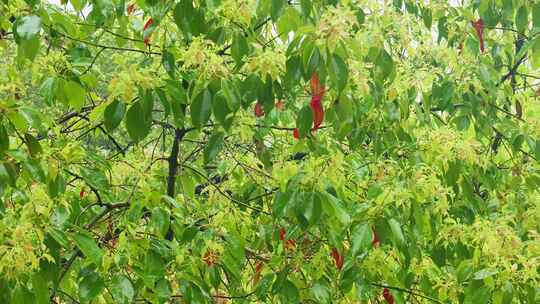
[
  {"x": 296, "y": 134},
  {"x": 280, "y": 105},
  {"x": 317, "y": 93},
  {"x": 258, "y": 270},
  {"x": 131, "y": 8},
  {"x": 317, "y": 89},
  {"x": 148, "y": 23}
]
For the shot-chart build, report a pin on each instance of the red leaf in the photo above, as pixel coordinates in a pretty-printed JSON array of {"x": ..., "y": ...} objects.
[
  {"x": 296, "y": 134},
  {"x": 282, "y": 233},
  {"x": 259, "y": 112},
  {"x": 376, "y": 242},
  {"x": 479, "y": 27},
  {"x": 388, "y": 296},
  {"x": 338, "y": 258},
  {"x": 318, "y": 111},
  {"x": 81, "y": 194}
]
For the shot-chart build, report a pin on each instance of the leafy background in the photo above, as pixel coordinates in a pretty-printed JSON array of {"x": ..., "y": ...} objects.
[{"x": 170, "y": 151}]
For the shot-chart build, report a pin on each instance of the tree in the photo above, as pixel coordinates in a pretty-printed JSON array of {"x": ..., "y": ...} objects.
[{"x": 269, "y": 151}]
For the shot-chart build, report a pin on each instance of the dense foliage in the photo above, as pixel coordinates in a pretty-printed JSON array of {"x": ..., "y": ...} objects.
[{"x": 271, "y": 151}]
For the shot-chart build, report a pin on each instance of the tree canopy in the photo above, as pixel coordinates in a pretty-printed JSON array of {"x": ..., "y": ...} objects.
[{"x": 269, "y": 151}]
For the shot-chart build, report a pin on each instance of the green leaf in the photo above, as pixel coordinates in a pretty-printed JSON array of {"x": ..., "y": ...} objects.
[
  {"x": 78, "y": 5},
  {"x": 161, "y": 220},
  {"x": 122, "y": 290},
  {"x": 75, "y": 94},
  {"x": 4, "y": 139},
  {"x": 239, "y": 48},
  {"x": 484, "y": 273},
  {"x": 90, "y": 286},
  {"x": 154, "y": 268},
  {"x": 360, "y": 16},
  {"x": 168, "y": 62},
  {"x": 47, "y": 89},
  {"x": 28, "y": 27},
  {"x": 201, "y": 108},
  {"x": 21, "y": 295},
  {"x": 33, "y": 145},
  {"x": 137, "y": 125},
  {"x": 277, "y": 9},
  {"x": 426, "y": 16},
  {"x": 361, "y": 238},
  {"x": 95, "y": 178},
  {"x": 264, "y": 285},
  {"x": 312, "y": 209},
  {"x": 522, "y": 19},
  {"x": 189, "y": 19},
  {"x": 213, "y": 147},
  {"x": 29, "y": 48},
  {"x": 396, "y": 231},
  {"x": 59, "y": 236},
  {"x": 221, "y": 111},
  {"x": 40, "y": 288},
  {"x": 536, "y": 15},
  {"x": 231, "y": 95},
  {"x": 163, "y": 289},
  {"x": 385, "y": 65},
  {"x": 304, "y": 121},
  {"x": 113, "y": 114},
  {"x": 289, "y": 292},
  {"x": 89, "y": 247},
  {"x": 321, "y": 292},
  {"x": 338, "y": 72},
  {"x": 333, "y": 206}
]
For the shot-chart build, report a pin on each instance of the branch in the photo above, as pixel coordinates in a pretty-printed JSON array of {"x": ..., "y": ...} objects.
[
  {"x": 411, "y": 292},
  {"x": 173, "y": 161},
  {"x": 237, "y": 202},
  {"x": 110, "y": 47},
  {"x": 93, "y": 61},
  {"x": 512, "y": 70}
]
